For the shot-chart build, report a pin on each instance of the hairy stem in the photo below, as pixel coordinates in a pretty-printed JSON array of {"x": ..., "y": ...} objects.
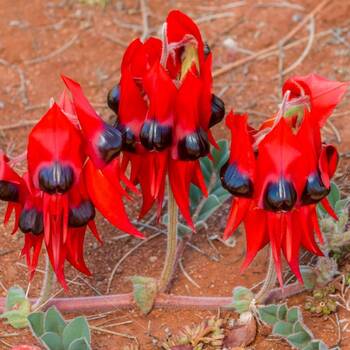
[
  {"x": 170, "y": 259},
  {"x": 106, "y": 303},
  {"x": 269, "y": 282},
  {"x": 46, "y": 286}
]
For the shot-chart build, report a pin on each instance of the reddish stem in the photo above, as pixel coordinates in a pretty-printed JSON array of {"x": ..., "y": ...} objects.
[{"x": 125, "y": 301}]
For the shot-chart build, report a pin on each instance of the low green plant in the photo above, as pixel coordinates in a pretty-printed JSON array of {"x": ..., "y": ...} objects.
[
  {"x": 287, "y": 323},
  {"x": 209, "y": 334},
  {"x": 17, "y": 308},
  {"x": 55, "y": 333},
  {"x": 321, "y": 302},
  {"x": 337, "y": 233}
]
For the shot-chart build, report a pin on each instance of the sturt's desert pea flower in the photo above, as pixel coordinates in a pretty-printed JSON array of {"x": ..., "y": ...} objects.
[
  {"x": 165, "y": 108},
  {"x": 73, "y": 169},
  {"x": 279, "y": 172}
]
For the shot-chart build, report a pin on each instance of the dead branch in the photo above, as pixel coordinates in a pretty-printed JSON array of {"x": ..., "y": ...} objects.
[{"x": 55, "y": 53}]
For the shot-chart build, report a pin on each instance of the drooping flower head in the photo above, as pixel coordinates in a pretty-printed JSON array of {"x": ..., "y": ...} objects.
[
  {"x": 279, "y": 172},
  {"x": 73, "y": 168},
  {"x": 164, "y": 108}
]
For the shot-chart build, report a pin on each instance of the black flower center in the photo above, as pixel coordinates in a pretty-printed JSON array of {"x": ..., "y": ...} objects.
[
  {"x": 217, "y": 110},
  {"x": 155, "y": 136},
  {"x": 81, "y": 215},
  {"x": 31, "y": 220},
  {"x": 56, "y": 178},
  {"x": 314, "y": 189},
  {"x": 109, "y": 143},
  {"x": 234, "y": 181},
  {"x": 9, "y": 191},
  {"x": 194, "y": 145},
  {"x": 113, "y": 98},
  {"x": 280, "y": 196}
]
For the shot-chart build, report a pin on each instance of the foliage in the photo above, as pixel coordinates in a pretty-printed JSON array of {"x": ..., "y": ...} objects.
[
  {"x": 17, "y": 308},
  {"x": 56, "y": 334},
  {"x": 242, "y": 299},
  {"x": 202, "y": 208},
  {"x": 321, "y": 303},
  {"x": 287, "y": 323},
  {"x": 207, "y": 335},
  {"x": 337, "y": 233},
  {"x": 144, "y": 291}
]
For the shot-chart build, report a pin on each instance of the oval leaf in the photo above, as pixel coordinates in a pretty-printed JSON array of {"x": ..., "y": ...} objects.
[{"x": 76, "y": 329}]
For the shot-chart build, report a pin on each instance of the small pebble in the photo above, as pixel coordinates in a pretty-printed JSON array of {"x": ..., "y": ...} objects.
[{"x": 153, "y": 259}]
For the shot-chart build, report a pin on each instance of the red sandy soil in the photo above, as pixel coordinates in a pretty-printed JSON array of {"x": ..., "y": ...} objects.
[{"x": 37, "y": 28}]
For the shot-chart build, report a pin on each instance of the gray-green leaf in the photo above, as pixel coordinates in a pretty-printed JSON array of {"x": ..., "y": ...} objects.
[
  {"x": 282, "y": 329},
  {"x": 268, "y": 314},
  {"x": 36, "y": 322},
  {"x": 52, "y": 341},
  {"x": 76, "y": 329},
  {"x": 145, "y": 291},
  {"x": 79, "y": 344},
  {"x": 53, "y": 321}
]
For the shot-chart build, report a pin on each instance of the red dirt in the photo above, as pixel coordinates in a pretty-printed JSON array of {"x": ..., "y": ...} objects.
[{"x": 36, "y": 28}]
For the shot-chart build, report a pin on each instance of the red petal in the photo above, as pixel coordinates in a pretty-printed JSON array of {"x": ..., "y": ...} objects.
[
  {"x": 328, "y": 163},
  {"x": 238, "y": 211},
  {"x": 54, "y": 139},
  {"x": 324, "y": 94},
  {"x": 256, "y": 234},
  {"x": 107, "y": 199}
]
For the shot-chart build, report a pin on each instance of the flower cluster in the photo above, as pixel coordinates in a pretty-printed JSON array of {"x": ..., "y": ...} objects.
[
  {"x": 280, "y": 171},
  {"x": 165, "y": 107},
  {"x": 73, "y": 168}
]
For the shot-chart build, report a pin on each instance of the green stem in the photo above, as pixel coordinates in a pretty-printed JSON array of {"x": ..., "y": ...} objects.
[
  {"x": 46, "y": 287},
  {"x": 269, "y": 282},
  {"x": 170, "y": 259}
]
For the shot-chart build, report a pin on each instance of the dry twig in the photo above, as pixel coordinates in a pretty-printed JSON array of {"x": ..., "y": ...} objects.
[
  {"x": 55, "y": 53},
  {"x": 228, "y": 67}
]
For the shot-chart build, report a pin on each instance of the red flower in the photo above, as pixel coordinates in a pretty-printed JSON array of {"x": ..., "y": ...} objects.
[
  {"x": 73, "y": 167},
  {"x": 165, "y": 109},
  {"x": 280, "y": 172}
]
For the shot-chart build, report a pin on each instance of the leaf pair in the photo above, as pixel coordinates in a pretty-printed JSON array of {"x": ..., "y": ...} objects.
[{"x": 56, "y": 334}]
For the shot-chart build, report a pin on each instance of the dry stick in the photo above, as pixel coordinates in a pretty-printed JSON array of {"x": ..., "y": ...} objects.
[
  {"x": 114, "y": 40},
  {"x": 305, "y": 52},
  {"x": 103, "y": 330},
  {"x": 22, "y": 90},
  {"x": 115, "y": 269},
  {"x": 125, "y": 301},
  {"x": 189, "y": 278},
  {"x": 335, "y": 130},
  {"x": 145, "y": 15},
  {"x": 24, "y": 123},
  {"x": 66, "y": 46},
  {"x": 273, "y": 47}
]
